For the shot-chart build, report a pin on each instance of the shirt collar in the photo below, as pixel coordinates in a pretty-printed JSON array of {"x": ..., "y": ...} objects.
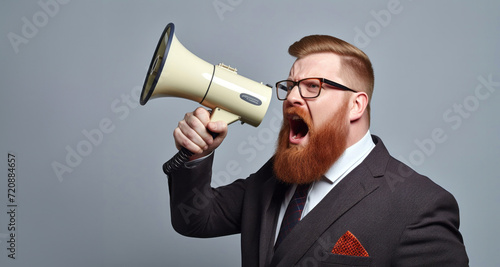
[{"x": 351, "y": 158}]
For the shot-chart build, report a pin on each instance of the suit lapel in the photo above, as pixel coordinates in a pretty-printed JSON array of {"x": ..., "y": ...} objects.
[{"x": 350, "y": 191}]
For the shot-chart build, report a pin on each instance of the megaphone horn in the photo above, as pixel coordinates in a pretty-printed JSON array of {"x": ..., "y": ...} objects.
[{"x": 176, "y": 72}]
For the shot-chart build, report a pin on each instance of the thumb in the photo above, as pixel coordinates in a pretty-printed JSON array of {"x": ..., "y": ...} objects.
[{"x": 219, "y": 127}]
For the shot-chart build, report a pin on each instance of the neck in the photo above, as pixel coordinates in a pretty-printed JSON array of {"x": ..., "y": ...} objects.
[{"x": 357, "y": 130}]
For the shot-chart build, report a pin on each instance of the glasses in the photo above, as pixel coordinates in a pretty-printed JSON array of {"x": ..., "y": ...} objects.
[{"x": 308, "y": 88}]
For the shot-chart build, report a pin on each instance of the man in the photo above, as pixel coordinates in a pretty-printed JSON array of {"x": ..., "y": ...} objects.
[{"x": 354, "y": 205}]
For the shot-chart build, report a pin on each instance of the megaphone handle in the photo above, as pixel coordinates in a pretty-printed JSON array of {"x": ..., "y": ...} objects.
[{"x": 180, "y": 158}]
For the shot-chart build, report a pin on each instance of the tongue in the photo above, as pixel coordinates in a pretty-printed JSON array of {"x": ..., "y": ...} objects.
[{"x": 298, "y": 129}]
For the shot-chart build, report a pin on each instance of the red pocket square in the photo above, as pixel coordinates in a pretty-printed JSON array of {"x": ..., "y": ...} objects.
[{"x": 348, "y": 244}]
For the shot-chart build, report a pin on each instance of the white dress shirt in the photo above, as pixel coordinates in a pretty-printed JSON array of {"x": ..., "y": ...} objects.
[{"x": 349, "y": 160}]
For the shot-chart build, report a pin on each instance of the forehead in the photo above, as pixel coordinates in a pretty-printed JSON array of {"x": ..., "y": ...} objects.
[{"x": 323, "y": 65}]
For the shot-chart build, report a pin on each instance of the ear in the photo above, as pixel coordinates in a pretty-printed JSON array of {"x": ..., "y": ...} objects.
[{"x": 358, "y": 104}]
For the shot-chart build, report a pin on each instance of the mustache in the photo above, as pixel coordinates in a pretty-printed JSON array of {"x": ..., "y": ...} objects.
[{"x": 303, "y": 115}]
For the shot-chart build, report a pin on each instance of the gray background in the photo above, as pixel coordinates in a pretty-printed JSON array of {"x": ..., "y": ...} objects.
[{"x": 70, "y": 67}]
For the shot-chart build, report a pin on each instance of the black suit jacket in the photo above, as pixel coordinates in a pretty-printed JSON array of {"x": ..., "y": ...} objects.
[{"x": 400, "y": 217}]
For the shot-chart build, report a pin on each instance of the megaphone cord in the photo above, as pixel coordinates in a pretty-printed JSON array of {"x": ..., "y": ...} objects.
[
  {"x": 180, "y": 158},
  {"x": 177, "y": 161}
]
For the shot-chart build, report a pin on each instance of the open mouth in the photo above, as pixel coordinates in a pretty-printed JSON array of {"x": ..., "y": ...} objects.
[{"x": 298, "y": 129}]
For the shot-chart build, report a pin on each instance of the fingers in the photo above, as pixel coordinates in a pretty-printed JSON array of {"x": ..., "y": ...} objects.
[{"x": 193, "y": 132}]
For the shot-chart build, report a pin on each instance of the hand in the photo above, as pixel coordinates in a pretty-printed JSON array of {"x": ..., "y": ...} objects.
[{"x": 193, "y": 133}]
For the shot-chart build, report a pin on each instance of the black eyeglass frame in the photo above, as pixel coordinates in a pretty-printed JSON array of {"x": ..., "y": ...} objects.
[{"x": 322, "y": 80}]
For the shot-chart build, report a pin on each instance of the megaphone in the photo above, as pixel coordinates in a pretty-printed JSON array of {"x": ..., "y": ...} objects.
[{"x": 176, "y": 72}]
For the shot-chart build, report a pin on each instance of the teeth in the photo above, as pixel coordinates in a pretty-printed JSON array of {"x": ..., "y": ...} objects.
[
  {"x": 294, "y": 137},
  {"x": 295, "y": 118}
]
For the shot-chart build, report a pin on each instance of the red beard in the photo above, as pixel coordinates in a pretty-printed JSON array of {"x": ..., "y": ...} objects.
[{"x": 301, "y": 165}]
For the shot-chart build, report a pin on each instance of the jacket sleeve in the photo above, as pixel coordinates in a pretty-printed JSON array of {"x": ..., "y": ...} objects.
[
  {"x": 197, "y": 209},
  {"x": 433, "y": 238}
]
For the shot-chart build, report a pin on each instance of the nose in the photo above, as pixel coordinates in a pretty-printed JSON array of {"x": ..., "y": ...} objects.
[{"x": 294, "y": 98}]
